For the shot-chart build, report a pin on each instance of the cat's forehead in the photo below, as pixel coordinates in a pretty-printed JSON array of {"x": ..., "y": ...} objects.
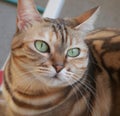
[
  {"x": 55, "y": 31},
  {"x": 57, "y": 22}
]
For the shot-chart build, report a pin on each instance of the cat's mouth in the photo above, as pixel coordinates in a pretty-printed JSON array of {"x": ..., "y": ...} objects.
[{"x": 56, "y": 76}]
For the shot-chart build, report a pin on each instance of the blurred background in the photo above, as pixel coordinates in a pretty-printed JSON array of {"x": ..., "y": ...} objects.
[{"x": 109, "y": 17}]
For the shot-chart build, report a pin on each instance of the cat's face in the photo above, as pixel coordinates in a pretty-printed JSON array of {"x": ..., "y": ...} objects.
[
  {"x": 57, "y": 53},
  {"x": 52, "y": 51}
]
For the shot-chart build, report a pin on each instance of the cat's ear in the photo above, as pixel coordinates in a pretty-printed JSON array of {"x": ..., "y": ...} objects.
[
  {"x": 85, "y": 23},
  {"x": 26, "y": 14}
]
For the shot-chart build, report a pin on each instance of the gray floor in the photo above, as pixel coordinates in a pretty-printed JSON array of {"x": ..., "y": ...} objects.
[{"x": 109, "y": 17}]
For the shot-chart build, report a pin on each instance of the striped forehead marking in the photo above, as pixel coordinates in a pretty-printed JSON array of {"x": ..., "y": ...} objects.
[{"x": 59, "y": 28}]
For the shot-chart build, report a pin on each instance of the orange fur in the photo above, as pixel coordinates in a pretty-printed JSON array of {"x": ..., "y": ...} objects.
[{"x": 52, "y": 82}]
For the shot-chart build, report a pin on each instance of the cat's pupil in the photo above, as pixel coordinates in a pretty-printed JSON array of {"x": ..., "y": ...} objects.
[{"x": 41, "y": 45}]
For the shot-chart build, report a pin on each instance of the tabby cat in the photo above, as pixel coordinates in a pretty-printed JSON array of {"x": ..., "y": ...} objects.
[{"x": 54, "y": 71}]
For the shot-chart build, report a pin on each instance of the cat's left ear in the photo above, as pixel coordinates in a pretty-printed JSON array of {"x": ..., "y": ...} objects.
[
  {"x": 26, "y": 14},
  {"x": 87, "y": 20}
]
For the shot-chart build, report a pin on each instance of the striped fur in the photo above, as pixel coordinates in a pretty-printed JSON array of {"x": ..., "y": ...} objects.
[
  {"x": 82, "y": 87},
  {"x": 32, "y": 85},
  {"x": 32, "y": 89},
  {"x": 105, "y": 47},
  {"x": 102, "y": 91}
]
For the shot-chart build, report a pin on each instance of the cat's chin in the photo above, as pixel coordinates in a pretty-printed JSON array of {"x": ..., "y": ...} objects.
[
  {"x": 58, "y": 81},
  {"x": 53, "y": 82},
  {"x": 62, "y": 79}
]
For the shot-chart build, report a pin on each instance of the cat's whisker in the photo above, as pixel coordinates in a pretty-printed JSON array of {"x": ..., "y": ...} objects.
[
  {"x": 93, "y": 93},
  {"x": 70, "y": 75},
  {"x": 70, "y": 83},
  {"x": 84, "y": 97},
  {"x": 90, "y": 89},
  {"x": 89, "y": 105},
  {"x": 90, "y": 76},
  {"x": 73, "y": 88},
  {"x": 77, "y": 97}
]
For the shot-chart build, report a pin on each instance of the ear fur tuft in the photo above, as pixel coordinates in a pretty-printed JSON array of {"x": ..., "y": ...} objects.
[
  {"x": 87, "y": 20},
  {"x": 26, "y": 13}
]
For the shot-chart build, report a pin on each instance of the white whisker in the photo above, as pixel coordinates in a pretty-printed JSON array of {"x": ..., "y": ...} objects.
[{"x": 90, "y": 89}]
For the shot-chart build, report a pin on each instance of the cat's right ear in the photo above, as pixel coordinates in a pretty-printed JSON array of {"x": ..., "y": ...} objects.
[{"x": 26, "y": 14}]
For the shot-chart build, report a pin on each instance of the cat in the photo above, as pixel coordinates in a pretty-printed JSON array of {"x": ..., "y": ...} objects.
[{"x": 55, "y": 70}]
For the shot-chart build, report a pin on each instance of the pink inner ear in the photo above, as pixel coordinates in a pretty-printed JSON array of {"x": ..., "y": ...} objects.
[
  {"x": 1, "y": 77},
  {"x": 26, "y": 13},
  {"x": 26, "y": 18}
]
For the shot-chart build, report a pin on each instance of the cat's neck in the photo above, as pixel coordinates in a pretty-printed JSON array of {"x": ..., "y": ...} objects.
[{"x": 20, "y": 101}]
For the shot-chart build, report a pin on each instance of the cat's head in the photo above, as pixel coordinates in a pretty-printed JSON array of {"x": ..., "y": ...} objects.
[{"x": 51, "y": 51}]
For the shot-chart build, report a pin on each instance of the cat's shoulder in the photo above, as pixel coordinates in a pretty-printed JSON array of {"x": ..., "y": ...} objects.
[
  {"x": 104, "y": 33},
  {"x": 106, "y": 40},
  {"x": 105, "y": 47},
  {"x": 104, "y": 44}
]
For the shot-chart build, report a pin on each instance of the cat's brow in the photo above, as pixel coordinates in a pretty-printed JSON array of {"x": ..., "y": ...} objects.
[{"x": 59, "y": 28}]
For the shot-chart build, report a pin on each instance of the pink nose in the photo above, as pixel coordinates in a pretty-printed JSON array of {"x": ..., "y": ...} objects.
[{"x": 58, "y": 68}]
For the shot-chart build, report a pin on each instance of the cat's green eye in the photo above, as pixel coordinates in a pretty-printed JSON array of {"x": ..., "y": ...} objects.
[
  {"x": 42, "y": 46},
  {"x": 74, "y": 52}
]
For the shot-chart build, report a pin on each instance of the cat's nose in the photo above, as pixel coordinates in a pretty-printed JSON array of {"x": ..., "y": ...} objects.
[{"x": 58, "y": 67}]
